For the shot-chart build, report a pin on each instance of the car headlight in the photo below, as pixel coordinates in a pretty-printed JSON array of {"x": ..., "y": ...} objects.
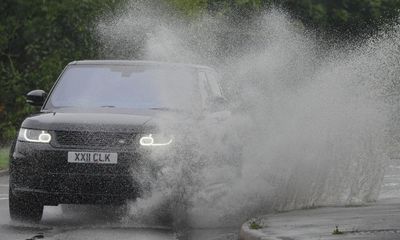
[
  {"x": 33, "y": 135},
  {"x": 155, "y": 140}
]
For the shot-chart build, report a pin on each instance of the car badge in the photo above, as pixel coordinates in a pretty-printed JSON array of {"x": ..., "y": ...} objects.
[{"x": 121, "y": 141}]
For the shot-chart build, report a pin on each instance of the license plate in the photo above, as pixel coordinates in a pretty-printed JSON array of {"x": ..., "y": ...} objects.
[{"x": 93, "y": 157}]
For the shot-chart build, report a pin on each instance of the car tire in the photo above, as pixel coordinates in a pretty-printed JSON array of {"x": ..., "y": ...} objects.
[{"x": 27, "y": 209}]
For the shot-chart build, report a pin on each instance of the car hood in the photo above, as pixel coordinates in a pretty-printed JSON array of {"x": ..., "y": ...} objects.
[{"x": 94, "y": 121}]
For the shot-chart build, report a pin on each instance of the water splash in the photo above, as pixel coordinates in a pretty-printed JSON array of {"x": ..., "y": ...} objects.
[{"x": 309, "y": 125}]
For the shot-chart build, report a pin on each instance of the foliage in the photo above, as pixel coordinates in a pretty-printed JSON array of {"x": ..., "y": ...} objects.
[
  {"x": 4, "y": 158},
  {"x": 344, "y": 17},
  {"x": 37, "y": 39},
  {"x": 189, "y": 7},
  {"x": 347, "y": 17}
]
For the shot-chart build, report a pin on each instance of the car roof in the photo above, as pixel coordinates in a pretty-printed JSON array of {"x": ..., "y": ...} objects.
[{"x": 134, "y": 62}]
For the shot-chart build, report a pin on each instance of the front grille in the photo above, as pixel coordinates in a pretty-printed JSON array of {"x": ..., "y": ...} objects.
[{"x": 94, "y": 139}]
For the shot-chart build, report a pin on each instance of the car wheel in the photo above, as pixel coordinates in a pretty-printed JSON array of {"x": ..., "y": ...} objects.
[{"x": 25, "y": 208}]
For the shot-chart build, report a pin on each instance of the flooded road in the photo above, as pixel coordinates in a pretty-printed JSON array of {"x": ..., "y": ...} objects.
[{"x": 92, "y": 224}]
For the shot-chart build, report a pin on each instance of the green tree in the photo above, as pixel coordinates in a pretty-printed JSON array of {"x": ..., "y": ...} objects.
[
  {"x": 348, "y": 18},
  {"x": 37, "y": 39}
]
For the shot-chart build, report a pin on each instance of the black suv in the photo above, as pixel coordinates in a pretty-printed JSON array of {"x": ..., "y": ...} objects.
[{"x": 82, "y": 146}]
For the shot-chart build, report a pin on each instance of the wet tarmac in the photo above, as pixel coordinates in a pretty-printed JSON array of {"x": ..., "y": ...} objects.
[{"x": 89, "y": 225}]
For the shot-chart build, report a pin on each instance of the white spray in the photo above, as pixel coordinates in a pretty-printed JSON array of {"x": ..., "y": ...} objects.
[{"x": 308, "y": 125}]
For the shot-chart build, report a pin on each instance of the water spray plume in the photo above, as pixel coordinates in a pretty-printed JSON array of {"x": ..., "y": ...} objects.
[{"x": 308, "y": 125}]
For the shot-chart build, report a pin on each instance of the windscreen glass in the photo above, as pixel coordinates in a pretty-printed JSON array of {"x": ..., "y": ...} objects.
[{"x": 143, "y": 87}]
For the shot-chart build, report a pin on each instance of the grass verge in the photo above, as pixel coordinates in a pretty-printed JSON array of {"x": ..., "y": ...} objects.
[{"x": 4, "y": 158}]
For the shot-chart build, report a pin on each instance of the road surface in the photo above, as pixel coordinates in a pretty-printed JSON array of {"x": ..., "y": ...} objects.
[
  {"x": 95, "y": 225},
  {"x": 374, "y": 221},
  {"x": 92, "y": 225}
]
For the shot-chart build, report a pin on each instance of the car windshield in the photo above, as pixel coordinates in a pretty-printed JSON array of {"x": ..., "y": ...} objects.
[{"x": 132, "y": 86}]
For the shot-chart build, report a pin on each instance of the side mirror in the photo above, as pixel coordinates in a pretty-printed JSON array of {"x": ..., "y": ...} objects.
[{"x": 36, "y": 97}]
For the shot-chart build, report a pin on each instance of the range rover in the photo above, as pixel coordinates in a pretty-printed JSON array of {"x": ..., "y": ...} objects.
[{"x": 96, "y": 124}]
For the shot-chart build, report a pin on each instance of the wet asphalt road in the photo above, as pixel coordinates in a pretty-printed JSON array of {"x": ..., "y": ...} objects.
[
  {"x": 92, "y": 225},
  {"x": 374, "y": 221},
  {"x": 95, "y": 225}
]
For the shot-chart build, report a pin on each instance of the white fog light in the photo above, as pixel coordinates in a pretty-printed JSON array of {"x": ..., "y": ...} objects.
[
  {"x": 32, "y": 135},
  {"x": 155, "y": 140}
]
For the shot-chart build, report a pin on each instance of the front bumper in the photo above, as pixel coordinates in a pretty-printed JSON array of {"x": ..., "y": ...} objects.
[{"x": 44, "y": 172}]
